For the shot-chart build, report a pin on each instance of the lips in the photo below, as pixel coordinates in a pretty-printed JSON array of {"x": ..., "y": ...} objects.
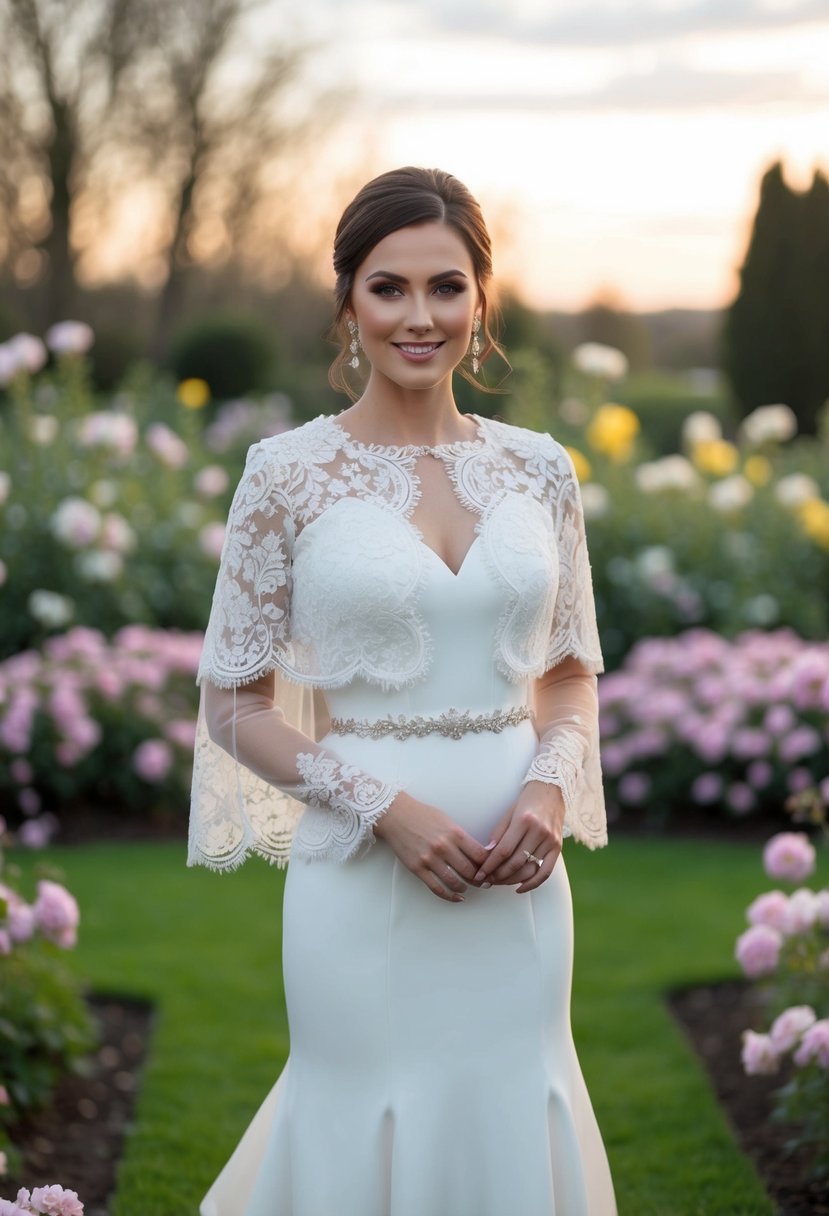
[{"x": 417, "y": 350}]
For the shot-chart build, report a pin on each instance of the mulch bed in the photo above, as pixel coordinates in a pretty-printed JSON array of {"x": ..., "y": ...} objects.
[
  {"x": 78, "y": 1139},
  {"x": 714, "y": 1017}
]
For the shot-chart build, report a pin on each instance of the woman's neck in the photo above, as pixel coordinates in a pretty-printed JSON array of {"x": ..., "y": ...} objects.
[{"x": 390, "y": 415}]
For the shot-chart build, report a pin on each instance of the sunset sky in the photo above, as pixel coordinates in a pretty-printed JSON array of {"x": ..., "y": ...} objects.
[{"x": 614, "y": 144}]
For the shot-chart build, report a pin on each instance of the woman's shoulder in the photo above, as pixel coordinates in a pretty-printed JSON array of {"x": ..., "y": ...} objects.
[
  {"x": 528, "y": 444},
  {"x": 317, "y": 438}
]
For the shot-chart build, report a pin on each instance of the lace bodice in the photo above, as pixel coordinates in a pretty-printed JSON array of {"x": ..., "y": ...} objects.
[
  {"x": 322, "y": 566},
  {"x": 321, "y": 582}
]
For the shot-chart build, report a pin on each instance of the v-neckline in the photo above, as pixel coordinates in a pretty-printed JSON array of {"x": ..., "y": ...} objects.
[{"x": 455, "y": 574}]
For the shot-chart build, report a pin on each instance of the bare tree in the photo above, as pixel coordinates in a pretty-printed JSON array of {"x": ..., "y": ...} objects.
[{"x": 195, "y": 97}]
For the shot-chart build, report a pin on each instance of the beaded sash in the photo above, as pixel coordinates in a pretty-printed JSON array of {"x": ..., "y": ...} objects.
[{"x": 452, "y": 722}]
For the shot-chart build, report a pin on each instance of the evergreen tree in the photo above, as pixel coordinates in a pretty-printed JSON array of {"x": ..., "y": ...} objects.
[{"x": 775, "y": 334}]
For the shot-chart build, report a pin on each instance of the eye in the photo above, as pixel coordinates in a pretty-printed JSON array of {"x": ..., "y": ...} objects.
[
  {"x": 449, "y": 289},
  {"x": 386, "y": 289}
]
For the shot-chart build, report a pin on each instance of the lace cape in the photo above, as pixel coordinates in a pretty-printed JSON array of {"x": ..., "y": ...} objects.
[{"x": 318, "y": 606}]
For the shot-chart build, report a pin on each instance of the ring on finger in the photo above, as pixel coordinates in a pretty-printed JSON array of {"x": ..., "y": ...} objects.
[{"x": 539, "y": 861}]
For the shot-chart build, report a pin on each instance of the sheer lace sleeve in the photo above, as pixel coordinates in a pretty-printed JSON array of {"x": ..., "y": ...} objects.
[
  {"x": 257, "y": 767},
  {"x": 574, "y": 630},
  {"x": 567, "y": 720}
]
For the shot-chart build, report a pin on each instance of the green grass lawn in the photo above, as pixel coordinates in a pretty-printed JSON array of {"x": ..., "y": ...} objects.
[{"x": 649, "y": 915}]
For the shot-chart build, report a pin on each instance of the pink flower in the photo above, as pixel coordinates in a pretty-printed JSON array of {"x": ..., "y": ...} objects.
[
  {"x": 759, "y": 1055},
  {"x": 210, "y": 481},
  {"x": 166, "y": 445},
  {"x": 5, "y": 1100},
  {"x": 759, "y": 774},
  {"x": 22, "y": 922},
  {"x": 789, "y": 856},
  {"x": 758, "y": 950},
  {"x": 634, "y": 788},
  {"x": 152, "y": 760},
  {"x": 787, "y": 1029},
  {"x": 803, "y": 910},
  {"x": 182, "y": 732},
  {"x": 814, "y": 1045},
  {"x": 36, "y": 833},
  {"x": 7, "y": 1208},
  {"x": 76, "y": 522},
  {"x": 707, "y": 788},
  {"x": 5, "y": 943},
  {"x": 55, "y": 1201},
  {"x": 211, "y": 539},
  {"x": 57, "y": 914},
  {"x": 772, "y": 909},
  {"x": 69, "y": 338},
  {"x": 741, "y": 798},
  {"x": 4, "y": 1165}
]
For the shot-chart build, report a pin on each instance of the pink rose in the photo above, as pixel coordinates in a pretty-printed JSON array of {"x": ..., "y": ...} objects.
[
  {"x": 55, "y": 1201},
  {"x": 164, "y": 443},
  {"x": 152, "y": 760},
  {"x": 211, "y": 480},
  {"x": 211, "y": 540},
  {"x": 789, "y": 856},
  {"x": 814, "y": 1045},
  {"x": 758, "y": 950},
  {"x": 7, "y": 1208},
  {"x": 772, "y": 909},
  {"x": 803, "y": 910},
  {"x": 787, "y": 1029},
  {"x": 759, "y": 1055},
  {"x": 22, "y": 922},
  {"x": 57, "y": 914}
]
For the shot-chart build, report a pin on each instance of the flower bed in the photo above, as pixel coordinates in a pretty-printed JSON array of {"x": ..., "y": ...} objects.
[
  {"x": 700, "y": 721},
  {"x": 92, "y": 721}
]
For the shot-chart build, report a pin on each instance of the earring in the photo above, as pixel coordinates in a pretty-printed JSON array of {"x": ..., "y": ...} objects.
[
  {"x": 476, "y": 346},
  {"x": 354, "y": 344}
]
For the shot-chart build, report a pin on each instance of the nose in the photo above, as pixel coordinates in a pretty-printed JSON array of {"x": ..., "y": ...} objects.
[{"x": 420, "y": 318}]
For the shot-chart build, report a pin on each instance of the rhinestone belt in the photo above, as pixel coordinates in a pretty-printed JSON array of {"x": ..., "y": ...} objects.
[{"x": 452, "y": 722}]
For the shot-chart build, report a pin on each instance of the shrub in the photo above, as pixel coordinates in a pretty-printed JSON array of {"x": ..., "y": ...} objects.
[
  {"x": 234, "y": 354},
  {"x": 44, "y": 1024},
  {"x": 700, "y": 721},
  {"x": 786, "y": 951}
]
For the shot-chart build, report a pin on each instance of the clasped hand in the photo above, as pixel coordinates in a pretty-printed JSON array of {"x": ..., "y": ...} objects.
[{"x": 447, "y": 859}]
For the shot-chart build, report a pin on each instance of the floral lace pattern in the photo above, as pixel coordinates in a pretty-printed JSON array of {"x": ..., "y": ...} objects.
[
  {"x": 322, "y": 566},
  {"x": 343, "y": 805}
]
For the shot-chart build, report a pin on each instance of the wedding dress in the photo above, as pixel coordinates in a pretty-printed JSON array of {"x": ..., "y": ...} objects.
[{"x": 432, "y": 1070}]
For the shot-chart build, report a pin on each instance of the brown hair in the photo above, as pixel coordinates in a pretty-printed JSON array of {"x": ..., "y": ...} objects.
[{"x": 395, "y": 200}]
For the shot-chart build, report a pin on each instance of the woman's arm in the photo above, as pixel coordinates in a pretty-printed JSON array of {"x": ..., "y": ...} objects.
[{"x": 566, "y": 710}]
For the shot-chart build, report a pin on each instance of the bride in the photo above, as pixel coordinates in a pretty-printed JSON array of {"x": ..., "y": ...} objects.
[{"x": 398, "y": 694}]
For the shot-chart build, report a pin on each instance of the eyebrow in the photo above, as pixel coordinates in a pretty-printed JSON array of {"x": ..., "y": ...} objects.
[{"x": 399, "y": 278}]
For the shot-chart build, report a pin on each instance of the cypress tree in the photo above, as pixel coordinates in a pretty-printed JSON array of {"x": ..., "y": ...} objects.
[{"x": 770, "y": 349}]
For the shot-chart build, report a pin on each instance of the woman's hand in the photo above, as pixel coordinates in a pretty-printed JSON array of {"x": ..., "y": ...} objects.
[
  {"x": 436, "y": 849},
  {"x": 533, "y": 824}
]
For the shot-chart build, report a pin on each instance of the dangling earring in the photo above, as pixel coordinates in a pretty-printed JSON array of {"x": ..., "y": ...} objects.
[
  {"x": 354, "y": 344},
  {"x": 476, "y": 346}
]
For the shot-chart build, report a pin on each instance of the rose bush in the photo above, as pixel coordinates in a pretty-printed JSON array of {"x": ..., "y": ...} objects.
[
  {"x": 90, "y": 721},
  {"x": 44, "y": 1024},
  {"x": 786, "y": 949},
  {"x": 701, "y": 721}
]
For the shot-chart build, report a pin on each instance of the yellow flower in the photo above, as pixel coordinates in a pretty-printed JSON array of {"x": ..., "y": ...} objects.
[
  {"x": 814, "y": 519},
  {"x": 715, "y": 456},
  {"x": 613, "y": 430},
  {"x": 580, "y": 463},
  {"x": 758, "y": 470},
  {"x": 193, "y": 394}
]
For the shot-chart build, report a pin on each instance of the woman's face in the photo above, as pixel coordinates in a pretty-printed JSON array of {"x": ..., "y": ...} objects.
[{"x": 414, "y": 299}]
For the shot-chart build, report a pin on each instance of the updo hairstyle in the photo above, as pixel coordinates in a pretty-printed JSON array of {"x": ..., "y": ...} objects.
[{"x": 396, "y": 200}]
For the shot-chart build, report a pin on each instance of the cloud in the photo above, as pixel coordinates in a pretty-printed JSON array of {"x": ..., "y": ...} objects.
[
  {"x": 603, "y": 24},
  {"x": 670, "y": 86}
]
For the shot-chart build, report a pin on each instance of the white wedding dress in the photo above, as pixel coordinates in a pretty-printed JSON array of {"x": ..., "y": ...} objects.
[{"x": 432, "y": 1070}]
